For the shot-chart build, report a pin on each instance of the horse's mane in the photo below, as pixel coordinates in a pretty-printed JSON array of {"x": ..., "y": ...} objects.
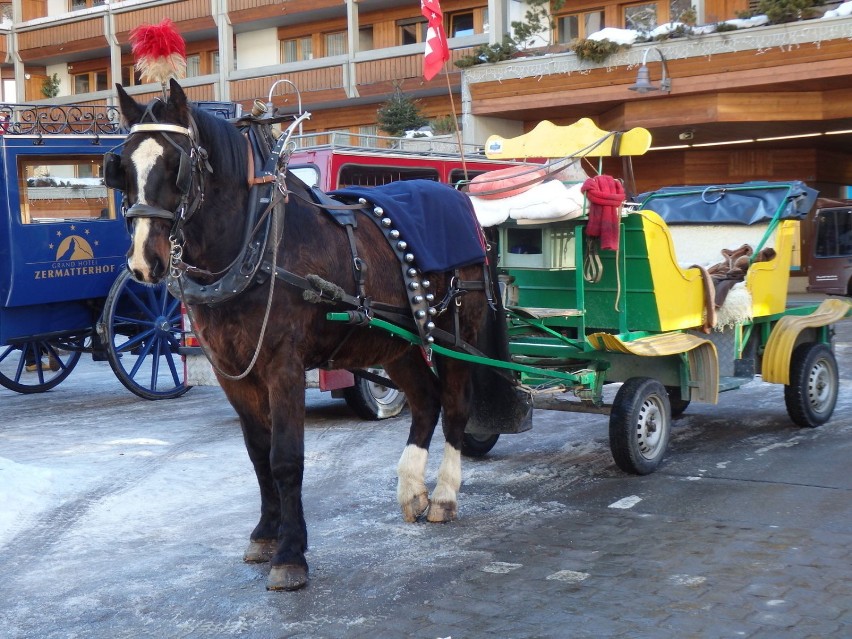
[{"x": 226, "y": 147}]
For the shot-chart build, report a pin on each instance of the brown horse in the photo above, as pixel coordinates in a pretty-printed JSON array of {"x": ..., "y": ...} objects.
[{"x": 187, "y": 188}]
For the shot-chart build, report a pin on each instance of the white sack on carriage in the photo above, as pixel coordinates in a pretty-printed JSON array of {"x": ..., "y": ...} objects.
[{"x": 548, "y": 201}]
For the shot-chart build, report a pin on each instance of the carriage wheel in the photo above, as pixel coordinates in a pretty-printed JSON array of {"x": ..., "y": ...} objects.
[
  {"x": 141, "y": 328},
  {"x": 478, "y": 445},
  {"x": 370, "y": 400},
  {"x": 812, "y": 393},
  {"x": 640, "y": 425},
  {"x": 35, "y": 366}
]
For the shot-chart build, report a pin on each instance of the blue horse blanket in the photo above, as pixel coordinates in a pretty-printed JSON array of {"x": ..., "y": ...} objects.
[{"x": 437, "y": 221}]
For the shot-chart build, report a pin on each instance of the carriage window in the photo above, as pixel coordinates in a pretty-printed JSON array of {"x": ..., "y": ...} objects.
[
  {"x": 54, "y": 189},
  {"x": 360, "y": 175},
  {"x": 309, "y": 173}
]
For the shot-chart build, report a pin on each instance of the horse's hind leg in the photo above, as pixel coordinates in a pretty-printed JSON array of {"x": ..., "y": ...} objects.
[
  {"x": 455, "y": 399},
  {"x": 423, "y": 394}
]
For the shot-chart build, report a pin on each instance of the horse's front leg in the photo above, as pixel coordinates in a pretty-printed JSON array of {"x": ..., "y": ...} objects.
[
  {"x": 251, "y": 401},
  {"x": 456, "y": 401},
  {"x": 287, "y": 462},
  {"x": 422, "y": 391}
]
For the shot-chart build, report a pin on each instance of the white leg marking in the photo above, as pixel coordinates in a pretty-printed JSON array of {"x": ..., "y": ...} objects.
[
  {"x": 411, "y": 489},
  {"x": 449, "y": 477}
]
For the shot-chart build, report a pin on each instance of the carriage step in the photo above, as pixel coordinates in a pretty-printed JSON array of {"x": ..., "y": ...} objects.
[{"x": 542, "y": 313}]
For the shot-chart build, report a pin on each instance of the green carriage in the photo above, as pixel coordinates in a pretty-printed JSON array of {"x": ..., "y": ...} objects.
[{"x": 648, "y": 314}]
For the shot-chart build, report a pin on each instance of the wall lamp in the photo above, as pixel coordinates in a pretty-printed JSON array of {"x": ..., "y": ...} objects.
[{"x": 643, "y": 78}]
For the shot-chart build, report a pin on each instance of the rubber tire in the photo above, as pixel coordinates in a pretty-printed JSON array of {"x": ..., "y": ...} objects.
[
  {"x": 640, "y": 400},
  {"x": 373, "y": 401},
  {"x": 476, "y": 445},
  {"x": 13, "y": 363},
  {"x": 141, "y": 330},
  {"x": 677, "y": 404},
  {"x": 812, "y": 393}
]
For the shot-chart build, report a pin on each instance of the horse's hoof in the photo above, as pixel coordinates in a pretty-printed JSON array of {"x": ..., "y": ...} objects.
[
  {"x": 415, "y": 507},
  {"x": 287, "y": 577},
  {"x": 441, "y": 512},
  {"x": 260, "y": 551}
]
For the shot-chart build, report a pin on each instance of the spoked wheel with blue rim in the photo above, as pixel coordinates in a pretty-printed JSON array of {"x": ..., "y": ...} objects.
[
  {"x": 35, "y": 366},
  {"x": 141, "y": 329}
]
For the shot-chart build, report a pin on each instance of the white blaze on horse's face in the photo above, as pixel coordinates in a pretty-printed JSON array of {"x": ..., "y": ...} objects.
[{"x": 144, "y": 158}]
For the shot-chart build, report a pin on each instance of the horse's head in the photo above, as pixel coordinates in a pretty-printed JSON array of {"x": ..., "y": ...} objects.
[{"x": 158, "y": 171}]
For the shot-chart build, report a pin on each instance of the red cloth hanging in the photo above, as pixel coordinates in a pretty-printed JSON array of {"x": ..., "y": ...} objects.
[{"x": 606, "y": 195}]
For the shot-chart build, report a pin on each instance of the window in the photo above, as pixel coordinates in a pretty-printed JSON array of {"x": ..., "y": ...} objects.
[
  {"x": 297, "y": 49},
  {"x": 307, "y": 173},
  {"x": 193, "y": 65},
  {"x": 63, "y": 188},
  {"x": 368, "y": 135},
  {"x": 77, "y": 5},
  {"x": 90, "y": 81},
  {"x": 335, "y": 43},
  {"x": 411, "y": 30},
  {"x": 364, "y": 175},
  {"x": 576, "y": 26},
  {"x": 465, "y": 23},
  {"x": 203, "y": 62},
  {"x": 130, "y": 76},
  {"x": 643, "y": 17},
  {"x": 365, "y": 38},
  {"x": 834, "y": 233},
  {"x": 10, "y": 91},
  {"x": 461, "y": 24}
]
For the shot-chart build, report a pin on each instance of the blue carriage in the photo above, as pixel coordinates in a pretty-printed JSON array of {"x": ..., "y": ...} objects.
[{"x": 64, "y": 287}]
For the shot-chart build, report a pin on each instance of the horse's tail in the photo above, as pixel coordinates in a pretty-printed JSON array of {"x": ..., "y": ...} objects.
[{"x": 499, "y": 405}]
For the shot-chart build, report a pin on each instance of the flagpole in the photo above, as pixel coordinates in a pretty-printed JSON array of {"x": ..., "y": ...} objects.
[{"x": 456, "y": 121}]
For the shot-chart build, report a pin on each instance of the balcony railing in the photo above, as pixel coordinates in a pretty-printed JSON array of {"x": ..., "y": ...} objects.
[{"x": 38, "y": 119}]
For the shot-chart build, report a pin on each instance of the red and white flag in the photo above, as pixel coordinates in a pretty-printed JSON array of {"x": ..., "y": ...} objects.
[{"x": 437, "y": 50}]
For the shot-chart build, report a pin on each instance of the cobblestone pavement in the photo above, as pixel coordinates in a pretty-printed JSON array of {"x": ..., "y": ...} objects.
[{"x": 142, "y": 510}]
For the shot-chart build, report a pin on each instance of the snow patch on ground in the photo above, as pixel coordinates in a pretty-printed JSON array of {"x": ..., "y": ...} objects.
[{"x": 25, "y": 491}]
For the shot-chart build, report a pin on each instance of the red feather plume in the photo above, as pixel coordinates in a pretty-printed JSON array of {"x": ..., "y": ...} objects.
[{"x": 159, "y": 51}]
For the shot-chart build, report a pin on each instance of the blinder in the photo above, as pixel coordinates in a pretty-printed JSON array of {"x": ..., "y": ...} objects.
[
  {"x": 114, "y": 175},
  {"x": 184, "y": 174}
]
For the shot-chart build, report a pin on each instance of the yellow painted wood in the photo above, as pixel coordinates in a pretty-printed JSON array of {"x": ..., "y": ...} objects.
[
  {"x": 679, "y": 292},
  {"x": 768, "y": 281},
  {"x": 782, "y": 340},
  {"x": 701, "y": 355},
  {"x": 581, "y": 139}
]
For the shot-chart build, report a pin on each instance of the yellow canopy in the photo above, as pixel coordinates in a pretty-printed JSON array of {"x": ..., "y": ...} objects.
[{"x": 581, "y": 139}]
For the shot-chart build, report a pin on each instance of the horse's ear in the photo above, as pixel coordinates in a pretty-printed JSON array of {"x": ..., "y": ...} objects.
[
  {"x": 131, "y": 111},
  {"x": 178, "y": 103}
]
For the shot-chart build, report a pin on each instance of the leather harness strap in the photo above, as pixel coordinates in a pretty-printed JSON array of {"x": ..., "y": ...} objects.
[{"x": 254, "y": 180}]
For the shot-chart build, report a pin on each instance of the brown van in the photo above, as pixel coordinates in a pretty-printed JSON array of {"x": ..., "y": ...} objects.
[{"x": 830, "y": 269}]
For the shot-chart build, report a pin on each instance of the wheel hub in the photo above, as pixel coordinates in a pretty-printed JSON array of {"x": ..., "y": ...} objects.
[
  {"x": 819, "y": 386},
  {"x": 648, "y": 429}
]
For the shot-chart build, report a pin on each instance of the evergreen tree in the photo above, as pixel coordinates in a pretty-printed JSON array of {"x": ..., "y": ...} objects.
[{"x": 400, "y": 114}]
